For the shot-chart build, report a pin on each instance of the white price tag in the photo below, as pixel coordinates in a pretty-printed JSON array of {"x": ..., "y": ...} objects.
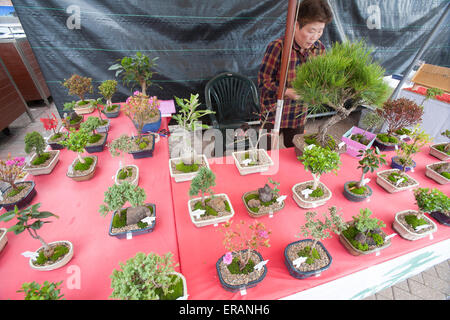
[
  {"x": 197, "y": 213},
  {"x": 431, "y": 236},
  {"x": 421, "y": 227},
  {"x": 390, "y": 236},
  {"x": 377, "y": 253},
  {"x": 412, "y": 169},
  {"x": 243, "y": 291},
  {"x": 368, "y": 200},
  {"x": 270, "y": 214},
  {"x": 280, "y": 199},
  {"x": 403, "y": 137},
  {"x": 317, "y": 274},
  {"x": 216, "y": 224},
  {"x": 246, "y": 162},
  {"x": 260, "y": 265},
  {"x": 306, "y": 193},
  {"x": 399, "y": 181},
  {"x": 297, "y": 262},
  {"x": 30, "y": 254},
  {"x": 129, "y": 235},
  {"x": 396, "y": 147},
  {"x": 148, "y": 220},
  {"x": 309, "y": 147},
  {"x": 1, "y": 196},
  {"x": 340, "y": 145}
]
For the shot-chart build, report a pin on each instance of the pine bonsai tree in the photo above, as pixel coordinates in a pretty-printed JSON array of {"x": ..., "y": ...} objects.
[
  {"x": 343, "y": 78},
  {"x": 202, "y": 182},
  {"x": 34, "y": 142}
]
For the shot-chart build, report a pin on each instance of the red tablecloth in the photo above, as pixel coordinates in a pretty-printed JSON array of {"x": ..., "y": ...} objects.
[
  {"x": 96, "y": 253},
  {"x": 200, "y": 248}
]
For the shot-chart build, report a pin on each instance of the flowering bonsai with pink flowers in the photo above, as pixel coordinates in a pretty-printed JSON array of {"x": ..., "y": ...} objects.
[{"x": 242, "y": 266}]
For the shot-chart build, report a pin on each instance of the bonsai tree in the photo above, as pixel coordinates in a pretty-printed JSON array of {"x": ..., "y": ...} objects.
[
  {"x": 406, "y": 151},
  {"x": 120, "y": 145},
  {"x": 371, "y": 159},
  {"x": 320, "y": 230},
  {"x": 51, "y": 123},
  {"x": 46, "y": 291},
  {"x": 137, "y": 68},
  {"x": 10, "y": 171},
  {"x": 79, "y": 86},
  {"x": 146, "y": 277},
  {"x": 31, "y": 220},
  {"x": 90, "y": 125},
  {"x": 431, "y": 93},
  {"x": 107, "y": 89},
  {"x": 343, "y": 79},
  {"x": 72, "y": 118},
  {"x": 76, "y": 142},
  {"x": 398, "y": 114},
  {"x": 188, "y": 119},
  {"x": 365, "y": 231},
  {"x": 446, "y": 146},
  {"x": 202, "y": 182},
  {"x": 432, "y": 200},
  {"x": 35, "y": 143},
  {"x": 242, "y": 240},
  {"x": 319, "y": 161}
]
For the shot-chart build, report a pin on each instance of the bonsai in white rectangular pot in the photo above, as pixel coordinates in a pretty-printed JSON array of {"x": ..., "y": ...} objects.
[{"x": 439, "y": 172}]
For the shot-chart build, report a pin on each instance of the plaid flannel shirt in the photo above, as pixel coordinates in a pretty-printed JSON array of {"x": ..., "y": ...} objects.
[{"x": 268, "y": 81}]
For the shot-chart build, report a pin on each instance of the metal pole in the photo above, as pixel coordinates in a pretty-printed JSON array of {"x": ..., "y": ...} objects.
[{"x": 419, "y": 54}]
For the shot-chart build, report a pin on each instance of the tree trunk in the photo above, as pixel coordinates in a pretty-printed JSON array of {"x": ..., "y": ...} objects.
[
  {"x": 144, "y": 88},
  {"x": 342, "y": 113},
  {"x": 80, "y": 158},
  {"x": 360, "y": 183},
  {"x": 316, "y": 181}
]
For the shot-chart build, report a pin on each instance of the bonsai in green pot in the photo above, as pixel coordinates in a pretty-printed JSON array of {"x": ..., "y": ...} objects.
[
  {"x": 370, "y": 160},
  {"x": 138, "y": 219},
  {"x": 148, "y": 277},
  {"x": 318, "y": 161},
  {"x": 80, "y": 86},
  {"x": 343, "y": 79},
  {"x": 107, "y": 89},
  {"x": 41, "y": 162},
  {"x": 434, "y": 202},
  {"x": 49, "y": 256},
  {"x": 46, "y": 291}
]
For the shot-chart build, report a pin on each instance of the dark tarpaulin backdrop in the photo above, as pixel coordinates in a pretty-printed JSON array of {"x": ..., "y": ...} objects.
[{"x": 195, "y": 40}]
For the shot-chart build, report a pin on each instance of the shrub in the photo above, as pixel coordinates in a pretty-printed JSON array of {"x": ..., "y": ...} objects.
[
  {"x": 400, "y": 113},
  {"x": 46, "y": 291},
  {"x": 78, "y": 86}
]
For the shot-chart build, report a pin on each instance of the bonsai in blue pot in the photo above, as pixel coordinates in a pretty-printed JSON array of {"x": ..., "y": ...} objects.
[{"x": 309, "y": 257}]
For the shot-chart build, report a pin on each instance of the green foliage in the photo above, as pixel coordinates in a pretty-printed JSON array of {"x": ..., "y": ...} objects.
[
  {"x": 83, "y": 166},
  {"x": 46, "y": 291},
  {"x": 446, "y": 133},
  {"x": 400, "y": 113},
  {"x": 41, "y": 159},
  {"x": 94, "y": 138},
  {"x": 120, "y": 219},
  {"x": 122, "y": 144},
  {"x": 310, "y": 253},
  {"x": 15, "y": 192},
  {"x": 234, "y": 268},
  {"x": 208, "y": 210},
  {"x": 76, "y": 141},
  {"x": 353, "y": 187},
  {"x": 125, "y": 173},
  {"x": 68, "y": 106},
  {"x": 371, "y": 159},
  {"x": 188, "y": 116},
  {"x": 317, "y": 193},
  {"x": 118, "y": 195},
  {"x": 364, "y": 223},
  {"x": 142, "y": 276},
  {"x": 91, "y": 124},
  {"x": 34, "y": 142},
  {"x": 137, "y": 68},
  {"x": 320, "y": 230},
  {"x": 78, "y": 85},
  {"x": 59, "y": 251},
  {"x": 431, "y": 200},
  {"x": 371, "y": 120},
  {"x": 202, "y": 182},
  {"x": 186, "y": 168},
  {"x": 312, "y": 139},
  {"x": 395, "y": 176},
  {"x": 384, "y": 137},
  {"x": 433, "y": 92},
  {"x": 445, "y": 174},
  {"x": 419, "y": 139},
  {"x": 414, "y": 221},
  {"x": 318, "y": 160},
  {"x": 107, "y": 89}
]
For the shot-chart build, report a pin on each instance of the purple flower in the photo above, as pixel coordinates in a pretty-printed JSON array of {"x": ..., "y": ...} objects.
[
  {"x": 227, "y": 258},
  {"x": 263, "y": 234},
  {"x": 136, "y": 93}
]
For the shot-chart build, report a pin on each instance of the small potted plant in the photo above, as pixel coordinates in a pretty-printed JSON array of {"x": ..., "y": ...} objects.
[
  {"x": 185, "y": 167},
  {"x": 148, "y": 277},
  {"x": 128, "y": 172},
  {"x": 136, "y": 69},
  {"x": 253, "y": 160},
  {"x": 82, "y": 168},
  {"x": 211, "y": 209},
  {"x": 441, "y": 150},
  {"x": 97, "y": 140},
  {"x": 318, "y": 161},
  {"x": 41, "y": 162},
  {"x": 395, "y": 180},
  {"x": 358, "y": 139},
  {"x": 413, "y": 225},
  {"x": 242, "y": 267},
  {"x": 138, "y": 219},
  {"x": 71, "y": 120},
  {"x": 357, "y": 191},
  {"x": 17, "y": 194},
  {"x": 403, "y": 160},
  {"x": 144, "y": 112},
  {"x": 56, "y": 136},
  {"x": 439, "y": 172},
  {"x": 364, "y": 235},
  {"x": 398, "y": 114},
  {"x": 46, "y": 291},
  {"x": 264, "y": 201},
  {"x": 316, "y": 257},
  {"x": 105, "y": 124},
  {"x": 80, "y": 86},
  {"x": 435, "y": 203},
  {"x": 107, "y": 89},
  {"x": 49, "y": 256}
]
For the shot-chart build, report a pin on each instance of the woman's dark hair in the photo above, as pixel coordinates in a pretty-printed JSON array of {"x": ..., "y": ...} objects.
[{"x": 314, "y": 11}]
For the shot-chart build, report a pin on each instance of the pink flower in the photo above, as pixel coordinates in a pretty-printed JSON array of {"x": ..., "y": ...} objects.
[
  {"x": 136, "y": 93},
  {"x": 227, "y": 258},
  {"x": 263, "y": 234}
]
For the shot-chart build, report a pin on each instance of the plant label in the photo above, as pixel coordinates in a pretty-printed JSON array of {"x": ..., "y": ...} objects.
[
  {"x": 30, "y": 254},
  {"x": 148, "y": 220},
  {"x": 403, "y": 137},
  {"x": 246, "y": 162},
  {"x": 243, "y": 291},
  {"x": 306, "y": 193},
  {"x": 368, "y": 200},
  {"x": 309, "y": 147},
  {"x": 260, "y": 265},
  {"x": 390, "y": 236},
  {"x": 377, "y": 253},
  {"x": 270, "y": 214},
  {"x": 317, "y": 274},
  {"x": 340, "y": 145},
  {"x": 396, "y": 147},
  {"x": 216, "y": 224},
  {"x": 1, "y": 196},
  {"x": 197, "y": 213},
  {"x": 314, "y": 205},
  {"x": 431, "y": 236},
  {"x": 399, "y": 181},
  {"x": 365, "y": 181},
  {"x": 421, "y": 227},
  {"x": 412, "y": 169},
  {"x": 280, "y": 199},
  {"x": 129, "y": 235},
  {"x": 297, "y": 262}
]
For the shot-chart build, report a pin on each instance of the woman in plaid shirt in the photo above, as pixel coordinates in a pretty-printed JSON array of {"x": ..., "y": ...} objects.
[{"x": 312, "y": 17}]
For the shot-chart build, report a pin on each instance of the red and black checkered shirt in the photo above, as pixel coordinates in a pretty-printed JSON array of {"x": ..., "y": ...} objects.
[{"x": 268, "y": 81}]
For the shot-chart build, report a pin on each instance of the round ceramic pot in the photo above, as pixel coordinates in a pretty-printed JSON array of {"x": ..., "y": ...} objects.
[
  {"x": 136, "y": 179},
  {"x": 62, "y": 262},
  {"x": 133, "y": 233},
  {"x": 353, "y": 196},
  {"x": 395, "y": 164},
  {"x": 25, "y": 200}
]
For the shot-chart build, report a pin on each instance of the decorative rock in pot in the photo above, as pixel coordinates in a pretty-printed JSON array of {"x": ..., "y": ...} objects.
[
  {"x": 264, "y": 201},
  {"x": 73, "y": 121},
  {"x": 184, "y": 169},
  {"x": 439, "y": 172},
  {"x": 413, "y": 225},
  {"x": 129, "y": 173},
  {"x": 395, "y": 180}
]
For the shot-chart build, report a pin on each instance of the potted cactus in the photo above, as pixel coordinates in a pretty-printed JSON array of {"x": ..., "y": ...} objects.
[
  {"x": 242, "y": 267},
  {"x": 138, "y": 219},
  {"x": 49, "y": 256},
  {"x": 264, "y": 201},
  {"x": 17, "y": 194},
  {"x": 46, "y": 291},
  {"x": 107, "y": 89},
  {"x": 209, "y": 209},
  {"x": 403, "y": 160},
  {"x": 441, "y": 150},
  {"x": 318, "y": 161},
  {"x": 41, "y": 162},
  {"x": 398, "y": 115},
  {"x": 309, "y": 257},
  {"x": 357, "y": 191},
  {"x": 97, "y": 140},
  {"x": 435, "y": 203},
  {"x": 343, "y": 79},
  {"x": 82, "y": 168},
  {"x": 185, "y": 167},
  {"x": 364, "y": 235},
  {"x": 80, "y": 86},
  {"x": 148, "y": 277},
  {"x": 56, "y": 136},
  {"x": 128, "y": 172}
]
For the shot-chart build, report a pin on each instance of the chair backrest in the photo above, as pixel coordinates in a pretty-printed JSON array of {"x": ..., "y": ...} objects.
[{"x": 233, "y": 97}]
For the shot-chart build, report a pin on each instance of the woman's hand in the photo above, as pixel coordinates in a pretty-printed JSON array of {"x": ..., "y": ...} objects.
[{"x": 291, "y": 94}]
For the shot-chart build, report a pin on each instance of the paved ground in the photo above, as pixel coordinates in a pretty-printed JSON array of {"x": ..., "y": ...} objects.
[{"x": 432, "y": 284}]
